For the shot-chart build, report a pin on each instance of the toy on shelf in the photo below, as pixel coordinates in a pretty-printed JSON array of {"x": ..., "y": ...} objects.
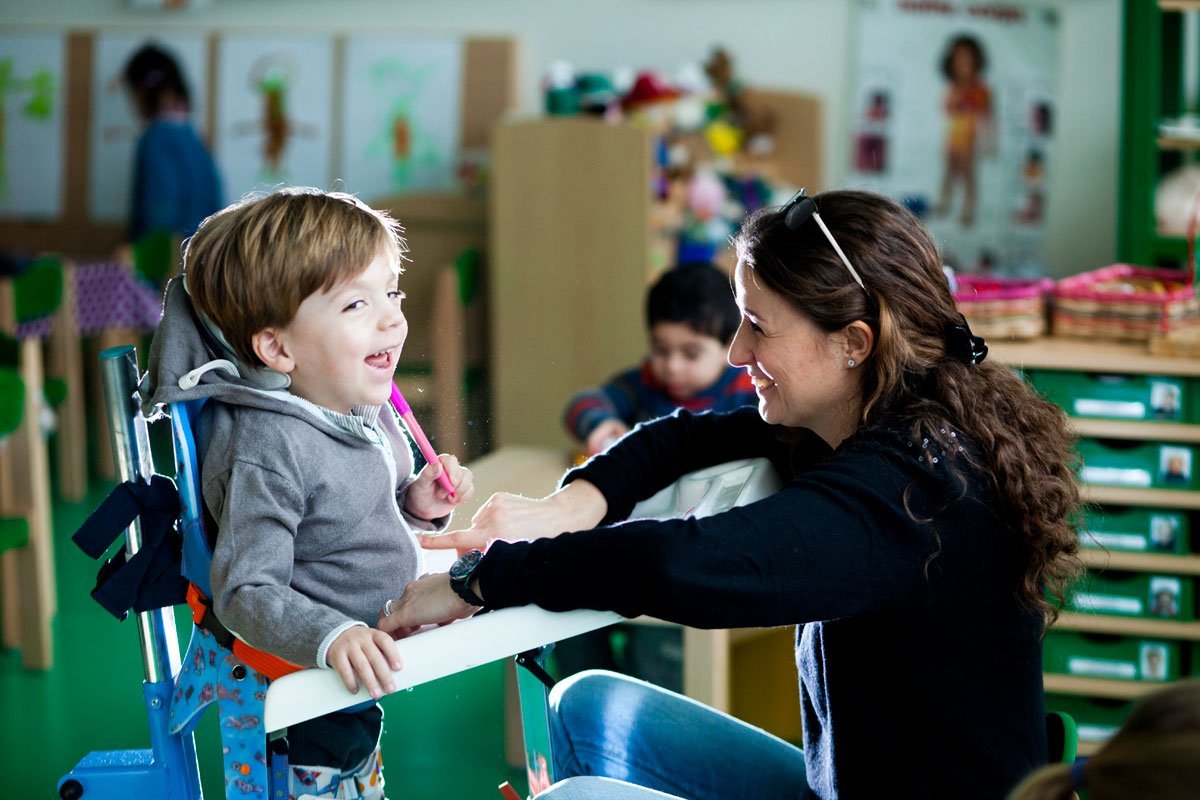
[{"x": 755, "y": 124}]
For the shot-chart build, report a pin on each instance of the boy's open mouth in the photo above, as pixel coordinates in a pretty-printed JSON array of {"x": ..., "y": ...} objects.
[
  {"x": 384, "y": 359},
  {"x": 761, "y": 383}
]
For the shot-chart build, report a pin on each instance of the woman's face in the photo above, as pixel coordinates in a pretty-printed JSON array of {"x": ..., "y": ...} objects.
[{"x": 800, "y": 372}]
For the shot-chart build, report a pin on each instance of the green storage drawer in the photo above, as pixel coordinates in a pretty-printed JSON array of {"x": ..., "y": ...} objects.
[
  {"x": 1135, "y": 595},
  {"x": 1111, "y": 657},
  {"x": 1139, "y": 397},
  {"x": 1142, "y": 465},
  {"x": 1097, "y": 718},
  {"x": 1136, "y": 530}
]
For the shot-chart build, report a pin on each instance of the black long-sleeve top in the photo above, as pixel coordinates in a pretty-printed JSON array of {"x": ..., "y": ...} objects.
[{"x": 920, "y": 672}]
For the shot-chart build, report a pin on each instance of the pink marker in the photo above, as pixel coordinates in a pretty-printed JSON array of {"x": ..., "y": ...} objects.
[{"x": 405, "y": 411}]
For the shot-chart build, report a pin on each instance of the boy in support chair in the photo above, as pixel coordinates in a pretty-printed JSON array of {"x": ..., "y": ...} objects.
[
  {"x": 691, "y": 317},
  {"x": 288, "y": 318}
]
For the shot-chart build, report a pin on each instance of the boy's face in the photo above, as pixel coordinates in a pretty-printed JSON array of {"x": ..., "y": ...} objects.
[
  {"x": 342, "y": 346},
  {"x": 684, "y": 361}
]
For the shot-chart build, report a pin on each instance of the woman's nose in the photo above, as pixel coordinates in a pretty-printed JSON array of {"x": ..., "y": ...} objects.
[{"x": 737, "y": 355}]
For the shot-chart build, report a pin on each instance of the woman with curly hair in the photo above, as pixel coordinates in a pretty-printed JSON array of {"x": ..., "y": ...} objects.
[{"x": 927, "y": 511}]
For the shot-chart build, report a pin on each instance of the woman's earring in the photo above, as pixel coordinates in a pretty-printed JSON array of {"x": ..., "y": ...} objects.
[{"x": 851, "y": 363}]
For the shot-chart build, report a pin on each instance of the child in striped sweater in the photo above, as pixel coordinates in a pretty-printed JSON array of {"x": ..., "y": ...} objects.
[{"x": 691, "y": 317}]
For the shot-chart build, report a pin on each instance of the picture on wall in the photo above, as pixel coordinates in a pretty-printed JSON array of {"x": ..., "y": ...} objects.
[
  {"x": 115, "y": 125},
  {"x": 953, "y": 115},
  {"x": 401, "y": 118},
  {"x": 32, "y": 71},
  {"x": 274, "y": 112}
]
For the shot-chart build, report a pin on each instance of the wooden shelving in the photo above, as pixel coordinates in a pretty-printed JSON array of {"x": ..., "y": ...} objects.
[
  {"x": 1134, "y": 429},
  {"x": 1108, "y": 358},
  {"x": 1098, "y": 687},
  {"x": 1141, "y": 562},
  {"x": 1080, "y": 355},
  {"x": 1179, "y": 5},
  {"x": 1123, "y": 496},
  {"x": 1178, "y": 143},
  {"x": 1129, "y": 626}
]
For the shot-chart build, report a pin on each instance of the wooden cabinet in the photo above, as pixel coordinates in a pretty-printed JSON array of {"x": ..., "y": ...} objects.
[
  {"x": 1122, "y": 359},
  {"x": 576, "y": 236}
]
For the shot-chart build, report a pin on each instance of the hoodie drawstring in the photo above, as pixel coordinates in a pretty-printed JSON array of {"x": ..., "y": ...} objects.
[{"x": 191, "y": 378}]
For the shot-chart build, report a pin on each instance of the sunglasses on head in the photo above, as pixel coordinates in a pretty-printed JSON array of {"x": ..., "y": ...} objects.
[{"x": 798, "y": 210}]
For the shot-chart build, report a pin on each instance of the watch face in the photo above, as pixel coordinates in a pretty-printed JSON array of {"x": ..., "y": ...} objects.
[{"x": 465, "y": 565}]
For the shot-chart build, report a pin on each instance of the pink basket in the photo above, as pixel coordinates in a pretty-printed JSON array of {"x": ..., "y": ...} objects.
[
  {"x": 1125, "y": 302},
  {"x": 1004, "y": 308}
]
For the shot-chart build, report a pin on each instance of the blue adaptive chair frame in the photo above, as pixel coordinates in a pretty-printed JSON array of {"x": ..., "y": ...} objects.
[
  {"x": 254, "y": 711},
  {"x": 178, "y": 692}
]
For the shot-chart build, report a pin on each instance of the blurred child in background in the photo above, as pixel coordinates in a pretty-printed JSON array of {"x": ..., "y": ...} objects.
[
  {"x": 175, "y": 182},
  {"x": 691, "y": 317}
]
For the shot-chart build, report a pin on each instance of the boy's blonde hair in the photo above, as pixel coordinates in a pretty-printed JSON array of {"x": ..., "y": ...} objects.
[{"x": 251, "y": 265}]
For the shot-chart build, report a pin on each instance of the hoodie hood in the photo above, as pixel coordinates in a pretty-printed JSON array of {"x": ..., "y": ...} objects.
[{"x": 190, "y": 359}]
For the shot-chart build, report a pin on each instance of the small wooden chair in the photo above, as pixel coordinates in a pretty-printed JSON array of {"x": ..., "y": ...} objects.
[{"x": 27, "y": 562}]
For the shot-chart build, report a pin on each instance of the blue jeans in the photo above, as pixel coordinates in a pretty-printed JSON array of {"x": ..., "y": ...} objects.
[{"x": 652, "y": 743}]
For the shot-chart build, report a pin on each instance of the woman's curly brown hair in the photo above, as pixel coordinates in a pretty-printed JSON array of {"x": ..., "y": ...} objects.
[{"x": 1023, "y": 441}]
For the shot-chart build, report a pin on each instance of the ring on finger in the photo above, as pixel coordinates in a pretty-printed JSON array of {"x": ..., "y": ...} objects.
[{"x": 387, "y": 608}]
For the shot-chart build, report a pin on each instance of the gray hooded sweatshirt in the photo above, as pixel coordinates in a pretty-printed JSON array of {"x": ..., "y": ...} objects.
[{"x": 313, "y": 538}]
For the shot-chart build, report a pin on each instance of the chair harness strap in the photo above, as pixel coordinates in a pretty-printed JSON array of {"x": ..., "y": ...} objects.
[{"x": 261, "y": 662}]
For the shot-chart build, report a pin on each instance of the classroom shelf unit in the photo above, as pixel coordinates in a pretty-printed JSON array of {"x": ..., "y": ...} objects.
[
  {"x": 1152, "y": 90},
  {"x": 1114, "y": 359}
]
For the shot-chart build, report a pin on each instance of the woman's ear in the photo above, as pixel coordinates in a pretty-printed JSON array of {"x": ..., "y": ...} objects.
[
  {"x": 860, "y": 341},
  {"x": 272, "y": 350}
]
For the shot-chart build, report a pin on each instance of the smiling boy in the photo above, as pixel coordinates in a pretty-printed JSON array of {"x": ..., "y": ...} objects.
[{"x": 289, "y": 319}]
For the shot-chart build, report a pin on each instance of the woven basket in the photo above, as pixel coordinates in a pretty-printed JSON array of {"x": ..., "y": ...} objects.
[
  {"x": 1003, "y": 308},
  {"x": 1125, "y": 302}
]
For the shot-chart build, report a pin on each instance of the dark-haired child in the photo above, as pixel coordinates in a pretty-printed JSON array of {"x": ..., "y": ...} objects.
[{"x": 691, "y": 318}]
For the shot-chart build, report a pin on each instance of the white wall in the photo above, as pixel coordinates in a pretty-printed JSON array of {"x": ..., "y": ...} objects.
[{"x": 803, "y": 45}]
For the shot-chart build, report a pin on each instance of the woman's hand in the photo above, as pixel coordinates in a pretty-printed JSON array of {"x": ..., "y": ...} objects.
[
  {"x": 360, "y": 653},
  {"x": 428, "y": 600},
  {"x": 577, "y": 506},
  {"x": 604, "y": 434},
  {"x": 427, "y": 499}
]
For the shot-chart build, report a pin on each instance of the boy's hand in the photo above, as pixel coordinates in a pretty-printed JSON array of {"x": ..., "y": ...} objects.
[
  {"x": 426, "y": 497},
  {"x": 367, "y": 653},
  {"x": 604, "y": 435}
]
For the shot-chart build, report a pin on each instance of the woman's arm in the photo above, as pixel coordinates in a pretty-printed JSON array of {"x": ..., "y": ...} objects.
[
  {"x": 656, "y": 454},
  {"x": 836, "y": 541},
  {"x": 575, "y": 507}
]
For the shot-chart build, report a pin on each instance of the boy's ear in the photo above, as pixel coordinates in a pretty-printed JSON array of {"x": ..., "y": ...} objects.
[{"x": 271, "y": 349}]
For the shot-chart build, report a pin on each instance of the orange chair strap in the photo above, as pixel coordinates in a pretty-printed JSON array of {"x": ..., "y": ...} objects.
[{"x": 273, "y": 667}]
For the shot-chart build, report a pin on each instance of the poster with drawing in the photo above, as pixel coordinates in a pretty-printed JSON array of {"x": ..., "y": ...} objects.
[
  {"x": 274, "y": 111},
  {"x": 400, "y": 122},
  {"x": 32, "y": 84},
  {"x": 115, "y": 124},
  {"x": 953, "y": 114}
]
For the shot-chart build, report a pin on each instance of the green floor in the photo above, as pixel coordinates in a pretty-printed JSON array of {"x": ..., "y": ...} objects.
[{"x": 443, "y": 740}]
